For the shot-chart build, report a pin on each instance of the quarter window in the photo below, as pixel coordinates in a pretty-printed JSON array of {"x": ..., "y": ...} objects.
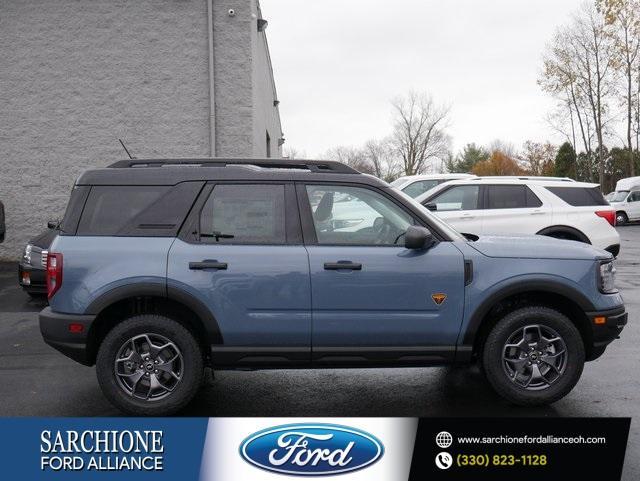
[
  {"x": 109, "y": 209},
  {"x": 579, "y": 196},
  {"x": 461, "y": 197},
  {"x": 244, "y": 214},
  {"x": 356, "y": 216}
]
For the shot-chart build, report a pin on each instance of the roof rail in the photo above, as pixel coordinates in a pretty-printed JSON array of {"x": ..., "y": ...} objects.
[{"x": 326, "y": 166}]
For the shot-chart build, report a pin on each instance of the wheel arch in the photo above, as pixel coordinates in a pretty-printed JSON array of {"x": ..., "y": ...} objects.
[
  {"x": 569, "y": 301},
  {"x": 123, "y": 302},
  {"x": 565, "y": 229}
]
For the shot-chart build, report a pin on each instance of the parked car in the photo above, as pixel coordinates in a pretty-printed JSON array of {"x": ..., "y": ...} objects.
[
  {"x": 626, "y": 200},
  {"x": 3, "y": 228},
  {"x": 414, "y": 185},
  {"x": 162, "y": 268},
  {"x": 492, "y": 206},
  {"x": 33, "y": 263}
]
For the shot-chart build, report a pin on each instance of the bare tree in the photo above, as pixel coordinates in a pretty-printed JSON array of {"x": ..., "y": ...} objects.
[
  {"x": 419, "y": 136},
  {"x": 352, "y": 156},
  {"x": 578, "y": 65},
  {"x": 623, "y": 18},
  {"x": 538, "y": 157},
  {"x": 381, "y": 155},
  {"x": 292, "y": 153}
]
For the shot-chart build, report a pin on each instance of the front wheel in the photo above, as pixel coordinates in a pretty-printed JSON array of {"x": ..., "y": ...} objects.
[
  {"x": 533, "y": 356},
  {"x": 149, "y": 365},
  {"x": 621, "y": 218}
]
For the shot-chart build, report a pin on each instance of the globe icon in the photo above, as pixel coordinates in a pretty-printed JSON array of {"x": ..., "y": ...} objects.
[{"x": 444, "y": 439}]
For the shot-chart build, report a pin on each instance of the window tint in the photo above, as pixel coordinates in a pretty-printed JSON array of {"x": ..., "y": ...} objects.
[
  {"x": 506, "y": 197},
  {"x": 420, "y": 187},
  {"x": 244, "y": 214},
  {"x": 110, "y": 208},
  {"x": 462, "y": 197},
  {"x": 579, "y": 196},
  {"x": 532, "y": 199},
  {"x": 634, "y": 196},
  {"x": 356, "y": 216}
]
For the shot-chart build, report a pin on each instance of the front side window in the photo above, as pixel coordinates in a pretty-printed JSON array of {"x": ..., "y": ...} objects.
[
  {"x": 634, "y": 196},
  {"x": 461, "y": 197},
  {"x": 419, "y": 187},
  {"x": 347, "y": 215},
  {"x": 244, "y": 214}
]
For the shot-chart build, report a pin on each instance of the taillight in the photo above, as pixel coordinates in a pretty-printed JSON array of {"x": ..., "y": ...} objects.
[
  {"x": 54, "y": 273},
  {"x": 608, "y": 215}
]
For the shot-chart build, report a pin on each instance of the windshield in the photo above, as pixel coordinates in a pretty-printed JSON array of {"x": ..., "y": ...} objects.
[
  {"x": 619, "y": 196},
  {"x": 450, "y": 231}
]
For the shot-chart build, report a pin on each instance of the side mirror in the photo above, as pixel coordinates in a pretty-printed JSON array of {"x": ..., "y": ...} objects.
[
  {"x": 53, "y": 224},
  {"x": 432, "y": 207},
  {"x": 418, "y": 238}
]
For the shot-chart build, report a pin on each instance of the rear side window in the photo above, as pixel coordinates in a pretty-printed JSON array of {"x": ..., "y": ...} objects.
[
  {"x": 579, "y": 196},
  {"x": 110, "y": 208},
  {"x": 244, "y": 214},
  {"x": 511, "y": 197},
  {"x": 506, "y": 197}
]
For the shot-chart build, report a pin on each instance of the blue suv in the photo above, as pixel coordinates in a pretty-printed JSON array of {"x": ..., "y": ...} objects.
[{"x": 165, "y": 267}]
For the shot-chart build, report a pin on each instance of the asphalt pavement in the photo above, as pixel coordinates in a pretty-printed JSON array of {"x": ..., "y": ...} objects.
[{"x": 35, "y": 380}]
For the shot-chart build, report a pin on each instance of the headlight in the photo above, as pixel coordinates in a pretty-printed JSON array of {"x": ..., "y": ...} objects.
[
  {"x": 608, "y": 277},
  {"x": 26, "y": 255}
]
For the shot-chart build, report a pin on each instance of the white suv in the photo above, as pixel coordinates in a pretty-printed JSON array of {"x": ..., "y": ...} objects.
[
  {"x": 566, "y": 210},
  {"x": 414, "y": 185}
]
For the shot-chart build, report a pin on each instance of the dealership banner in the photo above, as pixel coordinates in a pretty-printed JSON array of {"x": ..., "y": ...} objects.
[{"x": 226, "y": 449}]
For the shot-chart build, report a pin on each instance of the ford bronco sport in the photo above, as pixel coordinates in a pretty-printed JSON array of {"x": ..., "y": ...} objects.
[{"x": 165, "y": 267}]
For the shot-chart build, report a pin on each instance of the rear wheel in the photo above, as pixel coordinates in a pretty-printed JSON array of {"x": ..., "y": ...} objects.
[
  {"x": 149, "y": 365},
  {"x": 621, "y": 218},
  {"x": 533, "y": 356}
]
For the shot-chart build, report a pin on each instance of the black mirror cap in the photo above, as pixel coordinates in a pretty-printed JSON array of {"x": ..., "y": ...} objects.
[
  {"x": 418, "y": 237},
  {"x": 431, "y": 206},
  {"x": 52, "y": 224}
]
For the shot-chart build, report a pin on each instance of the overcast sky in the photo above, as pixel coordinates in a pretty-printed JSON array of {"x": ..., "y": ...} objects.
[{"x": 338, "y": 63}]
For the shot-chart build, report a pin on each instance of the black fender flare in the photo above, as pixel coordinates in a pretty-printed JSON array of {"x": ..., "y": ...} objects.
[
  {"x": 160, "y": 290},
  {"x": 565, "y": 229},
  {"x": 521, "y": 287}
]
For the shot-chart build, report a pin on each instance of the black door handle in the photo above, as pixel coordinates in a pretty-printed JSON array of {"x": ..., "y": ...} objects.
[
  {"x": 203, "y": 265},
  {"x": 347, "y": 265}
]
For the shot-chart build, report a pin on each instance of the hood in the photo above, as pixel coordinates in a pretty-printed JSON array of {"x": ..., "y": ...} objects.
[
  {"x": 536, "y": 247},
  {"x": 44, "y": 239}
]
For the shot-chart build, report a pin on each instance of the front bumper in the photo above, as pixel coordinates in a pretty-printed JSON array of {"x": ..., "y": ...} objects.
[
  {"x": 56, "y": 332},
  {"x": 608, "y": 329}
]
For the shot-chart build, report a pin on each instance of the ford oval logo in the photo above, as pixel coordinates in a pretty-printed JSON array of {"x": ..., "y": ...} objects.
[{"x": 311, "y": 449}]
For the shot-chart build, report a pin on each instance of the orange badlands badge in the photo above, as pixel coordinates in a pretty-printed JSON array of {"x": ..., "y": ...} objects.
[{"x": 438, "y": 298}]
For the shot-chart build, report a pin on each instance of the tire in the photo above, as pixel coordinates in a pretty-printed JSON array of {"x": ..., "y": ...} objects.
[
  {"x": 563, "y": 236},
  {"x": 507, "y": 331},
  {"x": 621, "y": 218},
  {"x": 158, "y": 331}
]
